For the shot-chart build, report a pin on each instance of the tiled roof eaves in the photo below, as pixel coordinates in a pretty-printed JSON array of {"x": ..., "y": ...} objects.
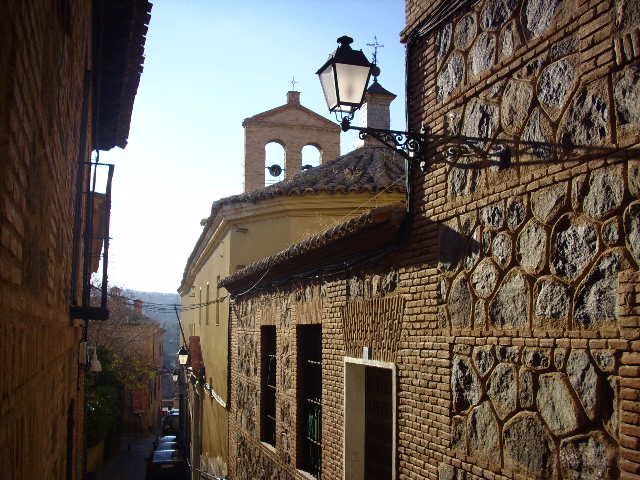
[
  {"x": 393, "y": 214},
  {"x": 119, "y": 64}
]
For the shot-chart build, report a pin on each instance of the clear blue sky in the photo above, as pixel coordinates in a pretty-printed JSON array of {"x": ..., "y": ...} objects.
[{"x": 210, "y": 64}]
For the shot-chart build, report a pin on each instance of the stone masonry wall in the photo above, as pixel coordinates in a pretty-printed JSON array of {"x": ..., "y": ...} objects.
[
  {"x": 519, "y": 327},
  {"x": 517, "y": 349},
  {"x": 42, "y": 63},
  {"x": 338, "y": 305}
]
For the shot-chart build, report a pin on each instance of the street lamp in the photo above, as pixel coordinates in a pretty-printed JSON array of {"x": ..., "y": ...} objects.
[
  {"x": 95, "y": 366},
  {"x": 174, "y": 375},
  {"x": 344, "y": 78},
  {"x": 183, "y": 356}
]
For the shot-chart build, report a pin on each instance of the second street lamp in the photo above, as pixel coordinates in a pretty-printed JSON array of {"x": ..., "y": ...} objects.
[{"x": 183, "y": 356}]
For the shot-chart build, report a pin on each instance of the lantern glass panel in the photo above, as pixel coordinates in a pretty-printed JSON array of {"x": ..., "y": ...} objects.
[
  {"x": 352, "y": 82},
  {"x": 327, "y": 80}
]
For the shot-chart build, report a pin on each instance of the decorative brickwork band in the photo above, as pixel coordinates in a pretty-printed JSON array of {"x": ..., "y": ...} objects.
[{"x": 374, "y": 323}]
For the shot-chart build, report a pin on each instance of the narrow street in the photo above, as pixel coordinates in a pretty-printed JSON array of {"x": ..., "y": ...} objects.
[{"x": 130, "y": 462}]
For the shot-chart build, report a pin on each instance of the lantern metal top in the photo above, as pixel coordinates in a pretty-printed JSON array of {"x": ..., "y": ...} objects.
[{"x": 345, "y": 54}]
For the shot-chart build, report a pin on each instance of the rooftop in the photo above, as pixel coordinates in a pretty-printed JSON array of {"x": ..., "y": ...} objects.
[
  {"x": 384, "y": 220},
  {"x": 367, "y": 169}
]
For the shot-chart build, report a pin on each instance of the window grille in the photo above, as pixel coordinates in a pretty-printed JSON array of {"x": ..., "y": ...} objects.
[
  {"x": 310, "y": 398},
  {"x": 268, "y": 410}
]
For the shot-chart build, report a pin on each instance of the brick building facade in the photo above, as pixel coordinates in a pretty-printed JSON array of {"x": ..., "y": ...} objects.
[
  {"x": 241, "y": 229},
  {"x": 53, "y": 81},
  {"x": 502, "y": 326}
]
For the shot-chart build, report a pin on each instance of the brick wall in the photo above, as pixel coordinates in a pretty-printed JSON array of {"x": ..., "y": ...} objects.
[
  {"x": 293, "y": 127},
  {"x": 517, "y": 351},
  {"x": 42, "y": 60},
  {"x": 512, "y": 305},
  {"x": 336, "y": 305}
]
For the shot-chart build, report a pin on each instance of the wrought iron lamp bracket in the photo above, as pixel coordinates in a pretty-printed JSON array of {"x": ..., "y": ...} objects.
[{"x": 413, "y": 146}]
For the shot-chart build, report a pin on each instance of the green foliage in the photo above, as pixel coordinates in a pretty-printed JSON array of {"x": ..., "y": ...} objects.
[
  {"x": 133, "y": 371},
  {"x": 103, "y": 392}
]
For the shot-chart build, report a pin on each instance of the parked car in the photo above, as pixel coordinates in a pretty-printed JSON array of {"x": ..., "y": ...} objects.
[
  {"x": 170, "y": 424},
  {"x": 167, "y": 465},
  {"x": 166, "y": 442}
]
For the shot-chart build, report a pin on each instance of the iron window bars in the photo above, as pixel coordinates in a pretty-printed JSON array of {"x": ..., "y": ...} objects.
[
  {"x": 310, "y": 404},
  {"x": 268, "y": 407}
]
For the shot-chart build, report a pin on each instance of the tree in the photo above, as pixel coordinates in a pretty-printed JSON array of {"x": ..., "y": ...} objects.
[
  {"x": 103, "y": 395},
  {"x": 128, "y": 349}
]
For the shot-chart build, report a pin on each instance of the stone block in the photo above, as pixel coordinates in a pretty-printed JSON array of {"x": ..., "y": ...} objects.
[
  {"x": 466, "y": 388},
  {"x": 556, "y": 83},
  {"x": 591, "y": 456},
  {"x": 586, "y": 121},
  {"x": 496, "y": 13},
  {"x": 528, "y": 447},
  {"x": 574, "y": 244},
  {"x": 484, "y": 358},
  {"x": 531, "y": 251},
  {"x": 537, "y": 358},
  {"x": 482, "y": 55},
  {"x": 485, "y": 278},
  {"x": 585, "y": 381},
  {"x": 484, "y": 433},
  {"x": 465, "y": 31},
  {"x": 502, "y": 249},
  {"x": 551, "y": 303},
  {"x": 557, "y": 405},
  {"x": 510, "y": 305},
  {"x": 605, "y": 192},
  {"x": 548, "y": 201},
  {"x": 502, "y": 389},
  {"x": 595, "y": 301}
]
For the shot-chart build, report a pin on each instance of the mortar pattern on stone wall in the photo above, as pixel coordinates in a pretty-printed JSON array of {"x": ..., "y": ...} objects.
[
  {"x": 545, "y": 261},
  {"x": 253, "y": 463},
  {"x": 537, "y": 411},
  {"x": 586, "y": 35},
  {"x": 578, "y": 47}
]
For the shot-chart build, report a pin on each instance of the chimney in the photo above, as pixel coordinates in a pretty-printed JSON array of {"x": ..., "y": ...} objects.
[
  {"x": 137, "y": 306},
  {"x": 293, "y": 98},
  {"x": 375, "y": 112}
]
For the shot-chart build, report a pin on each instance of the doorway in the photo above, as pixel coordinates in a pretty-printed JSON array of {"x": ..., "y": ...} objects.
[{"x": 370, "y": 420}]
